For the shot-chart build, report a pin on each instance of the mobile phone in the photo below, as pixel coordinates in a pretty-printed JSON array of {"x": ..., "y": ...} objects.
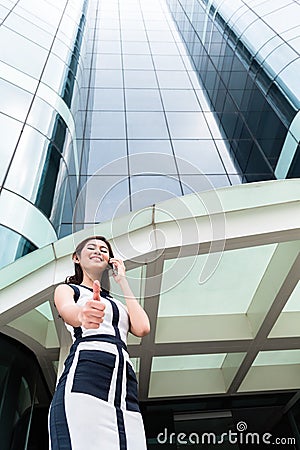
[{"x": 113, "y": 268}]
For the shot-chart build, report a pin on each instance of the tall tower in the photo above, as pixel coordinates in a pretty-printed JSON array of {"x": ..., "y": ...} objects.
[{"x": 172, "y": 128}]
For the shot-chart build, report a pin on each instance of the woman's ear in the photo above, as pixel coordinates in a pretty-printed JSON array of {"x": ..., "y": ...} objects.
[{"x": 75, "y": 259}]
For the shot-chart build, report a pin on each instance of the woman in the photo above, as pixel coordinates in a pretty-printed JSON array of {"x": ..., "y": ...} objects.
[{"x": 95, "y": 404}]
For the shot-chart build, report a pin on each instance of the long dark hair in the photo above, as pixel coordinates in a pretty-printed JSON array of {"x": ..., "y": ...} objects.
[{"x": 78, "y": 276}]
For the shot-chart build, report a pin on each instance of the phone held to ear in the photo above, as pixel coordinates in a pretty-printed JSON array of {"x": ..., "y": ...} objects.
[{"x": 114, "y": 268}]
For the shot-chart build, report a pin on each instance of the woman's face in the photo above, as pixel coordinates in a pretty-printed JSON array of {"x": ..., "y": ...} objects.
[{"x": 94, "y": 256}]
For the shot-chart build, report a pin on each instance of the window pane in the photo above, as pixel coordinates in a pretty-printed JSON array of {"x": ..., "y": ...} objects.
[
  {"x": 107, "y": 125},
  {"x": 108, "y": 47},
  {"x": 143, "y": 100},
  {"x": 173, "y": 79},
  {"x": 151, "y": 156},
  {"x": 103, "y": 153},
  {"x": 104, "y": 61},
  {"x": 42, "y": 117},
  {"x": 140, "y": 79},
  {"x": 200, "y": 183},
  {"x": 143, "y": 125},
  {"x": 107, "y": 99},
  {"x": 147, "y": 190},
  {"x": 29, "y": 30},
  {"x": 188, "y": 125},
  {"x": 180, "y": 100},
  {"x": 30, "y": 60},
  {"x": 152, "y": 146},
  {"x": 107, "y": 79},
  {"x": 106, "y": 197},
  {"x": 14, "y": 101},
  {"x": 164, "y": 48},
  {"x": 17, "y": 245},
  {"x": 10, "y": 132},
  {"x": 168, "y": 62},
  {"x": 197, "y": 156},
  {"x": 137, "y": 62},
  {"x": 25, "y": 178},
  {"x": 134, "y": 35},
  {"x": 135, "y": 48}
]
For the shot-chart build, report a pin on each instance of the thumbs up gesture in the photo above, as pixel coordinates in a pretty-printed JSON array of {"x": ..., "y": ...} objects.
[
  {"x": 92, "y": 313},
  {"x": 96, "y": 290}
]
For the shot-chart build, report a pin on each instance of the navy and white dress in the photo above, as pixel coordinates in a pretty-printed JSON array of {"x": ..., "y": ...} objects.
[{"x": 95, "y": 405}]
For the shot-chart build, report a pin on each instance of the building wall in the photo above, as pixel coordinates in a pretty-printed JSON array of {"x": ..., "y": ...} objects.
[
  {"x": 41, "y": 69},
  {"x": 150, "y": 132},
  {"x": 247, "y": 55},
  {"x": 104, "y": 110}
]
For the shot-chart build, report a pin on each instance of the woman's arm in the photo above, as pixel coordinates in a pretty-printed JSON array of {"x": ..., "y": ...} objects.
[
  {"x": 139, "y": 321},
  {"x": 90, "y": 315}
]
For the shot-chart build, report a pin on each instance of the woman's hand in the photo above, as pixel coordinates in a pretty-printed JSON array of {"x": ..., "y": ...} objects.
[
  {"x": 118, "y": 270},
  {"x": 139, "y": 321},
  {"x": 92, "y": 313}
]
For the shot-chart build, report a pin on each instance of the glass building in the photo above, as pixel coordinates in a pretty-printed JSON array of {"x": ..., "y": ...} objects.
[{"x": 172, "y": 127}]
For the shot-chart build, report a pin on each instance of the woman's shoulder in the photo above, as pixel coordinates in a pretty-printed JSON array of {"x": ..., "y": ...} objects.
[
  {"x": 66, "y": 289},
  {"x": 63, "y": 287}
]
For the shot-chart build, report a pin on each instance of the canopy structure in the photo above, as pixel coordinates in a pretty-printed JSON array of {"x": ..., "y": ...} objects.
[{"x": 218, "y": 274}]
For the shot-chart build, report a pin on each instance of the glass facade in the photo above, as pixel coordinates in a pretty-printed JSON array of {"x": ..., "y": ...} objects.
[
  {"x": 247, "y": 55},
  {"x": 41, "y": 71},
  {"x": 108, "y": 107},
  {"x": 126, "y": 104},
  {"x": 150, "y": 132}
]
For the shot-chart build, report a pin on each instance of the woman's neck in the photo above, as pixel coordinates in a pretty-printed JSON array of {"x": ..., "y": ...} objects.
[{"x": 88, "y": 279}]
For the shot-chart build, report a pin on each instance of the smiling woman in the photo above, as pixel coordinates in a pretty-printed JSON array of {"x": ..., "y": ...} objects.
[{"x": 95, "y": 405}]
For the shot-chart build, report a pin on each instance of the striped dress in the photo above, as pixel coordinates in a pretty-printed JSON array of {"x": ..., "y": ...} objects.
[{"x": 95, "y": 405}]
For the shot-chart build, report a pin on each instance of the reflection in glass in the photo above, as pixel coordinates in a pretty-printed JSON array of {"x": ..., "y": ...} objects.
[
  {"x": 156, "y": 162},
  {"x": 180, "y": 100},
  {"x": 150, "y": 146},
  {"x": 107, "y": 99},
  {"x": 107, "y": 79},
  {"x": 29, "y": 30},
  {"x": 18, "y": 246},
  {"x": 134, "y": 35},
  {"x": 103, "y": 61},
  {"x": 108, "y": 47},
  {"x": 139, "y": 79},
  {"x": 106, "y": 197},
  {"x": 137, "y": 62},
  {"x": 42, "y": 117},
  {"x": 164, "y": 48},
  {"x": 147, "y": 190},
  {"x": 173, "y": 79},
  {"x": 30, "y": 60},
  {"x": 10, "y": 132},
  {"x": 143, "y": 125},
  {"x": 200, "y": 183},
  {"x": 188, "y": 125},
  {"x": 15, "y": 102},
  {"x": 197, "y": 156},
  {"x": 107, "y": 125},
  {"x": 103, "y": 152},
  {"x": 168, "y": 62},
  {"x": 143, "y": 100},
  {"x": 24, "y": 178},
  {"x": 55, "y": 73}
]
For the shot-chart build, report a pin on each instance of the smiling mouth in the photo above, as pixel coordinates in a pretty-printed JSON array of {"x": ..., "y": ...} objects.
[{"x": 98, "y": 258}]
